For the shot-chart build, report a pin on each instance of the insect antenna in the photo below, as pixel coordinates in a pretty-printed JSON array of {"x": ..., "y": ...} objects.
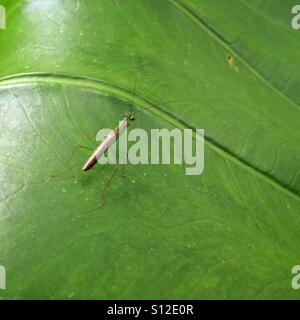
[
  {"x": 134, "y": 92},
  {"x": 141, "y": 110},
  {"x": 161, "y": 104}
]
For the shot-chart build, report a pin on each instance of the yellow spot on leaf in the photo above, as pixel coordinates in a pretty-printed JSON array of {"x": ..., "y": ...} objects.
[{"x": 230, "y": 59}]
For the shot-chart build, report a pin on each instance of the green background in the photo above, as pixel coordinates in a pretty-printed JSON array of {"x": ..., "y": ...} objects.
[{"x": 68, "y": 68}]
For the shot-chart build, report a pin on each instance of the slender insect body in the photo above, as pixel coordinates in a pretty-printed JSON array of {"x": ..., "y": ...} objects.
[{"x": 106, "y": 143}]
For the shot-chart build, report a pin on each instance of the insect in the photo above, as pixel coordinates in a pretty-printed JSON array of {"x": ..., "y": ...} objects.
[
  {"x": 108, "y": 141},
  {"x": 105, "y": 145}
]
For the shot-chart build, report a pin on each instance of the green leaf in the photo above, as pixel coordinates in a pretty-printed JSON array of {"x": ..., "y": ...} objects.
[{"x": 69, "y": 68}]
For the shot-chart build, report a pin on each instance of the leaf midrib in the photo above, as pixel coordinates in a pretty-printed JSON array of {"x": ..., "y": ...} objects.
[
  {"x": 223, "y": 42},
  {"x": 217, "y": 37},
  {"x": 143, "y": 102},
  {"x": 263, "y": 15}
]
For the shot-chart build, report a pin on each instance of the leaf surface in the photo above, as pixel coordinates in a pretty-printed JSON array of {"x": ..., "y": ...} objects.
[{"x": 68, "y": 68}]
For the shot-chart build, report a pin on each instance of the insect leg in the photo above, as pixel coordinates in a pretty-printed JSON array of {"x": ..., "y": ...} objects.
[
  {"x": 106, "y": 186},
  {"x": 123, "y": 167},
  {"x": 90, "y": 136},
  {"x": 60, "y": 173}
]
